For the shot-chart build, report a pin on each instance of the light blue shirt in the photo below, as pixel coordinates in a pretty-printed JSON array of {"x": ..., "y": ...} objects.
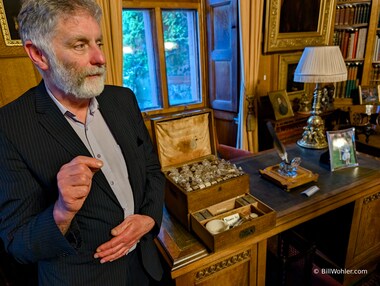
[{"x": 99, "y": 140}]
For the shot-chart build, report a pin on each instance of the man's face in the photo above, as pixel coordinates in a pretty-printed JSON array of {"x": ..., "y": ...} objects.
[{"x": 78, "y": 66}]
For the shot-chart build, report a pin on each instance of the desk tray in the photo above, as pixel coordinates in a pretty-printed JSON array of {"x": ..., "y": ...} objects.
[{"x": 303, "y": 177}]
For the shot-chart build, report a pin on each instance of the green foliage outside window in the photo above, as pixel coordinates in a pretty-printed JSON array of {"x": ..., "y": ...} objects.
[{"x": 140, "y": 65}]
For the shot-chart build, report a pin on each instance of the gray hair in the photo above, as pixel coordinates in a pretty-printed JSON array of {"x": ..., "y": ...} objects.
[{"x": 38, "y": 18}]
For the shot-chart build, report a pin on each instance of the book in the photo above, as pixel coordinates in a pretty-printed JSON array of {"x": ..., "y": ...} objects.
[
  {"x": 350, "y": 46},
  {"x": 347, "y": 10},
  {"x": 345, "y": 42},
  {"x": 355, "y": 44},
  {"x": 361, "y": 43},
  {"x": 337, "y": 15}
]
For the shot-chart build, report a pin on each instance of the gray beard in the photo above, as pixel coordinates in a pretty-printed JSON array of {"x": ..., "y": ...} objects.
[{"x": 75, "y": 82}]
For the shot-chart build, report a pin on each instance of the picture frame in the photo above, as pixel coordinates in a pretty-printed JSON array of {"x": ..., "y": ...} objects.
[
  {"x": 369, "y": 94},
  {"x": 9, "y": 10},
  {"x": 287, "y": 66},
  {"x": 286, "y": 32},
  {"x": 342, "y": 149},
  {"x": 281, "y": 104}
]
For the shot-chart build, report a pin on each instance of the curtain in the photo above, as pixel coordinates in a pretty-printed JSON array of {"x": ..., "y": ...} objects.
[
  {"x": 250, "y": 15},
  {"x": 112, "y": 38}
]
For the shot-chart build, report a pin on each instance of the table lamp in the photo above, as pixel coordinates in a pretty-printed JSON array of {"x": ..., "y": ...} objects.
[{"x": 322, "y": 64}]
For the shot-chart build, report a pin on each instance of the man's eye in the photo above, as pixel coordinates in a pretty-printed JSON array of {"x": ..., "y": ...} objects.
[{"x": 79, "y": 46}]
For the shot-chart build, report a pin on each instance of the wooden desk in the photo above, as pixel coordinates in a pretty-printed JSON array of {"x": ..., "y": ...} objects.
[{"x": 190, "y": 263}]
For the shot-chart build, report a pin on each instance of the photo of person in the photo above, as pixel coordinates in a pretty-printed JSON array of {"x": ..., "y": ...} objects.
[
  {"x": 369, "y": 94},
  {"x": 281, "y": 105},
  {"x": 342, "y": 148}
]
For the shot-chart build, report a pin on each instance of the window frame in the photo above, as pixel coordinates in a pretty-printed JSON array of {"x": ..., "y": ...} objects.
[{"x": 158, "y": 37}]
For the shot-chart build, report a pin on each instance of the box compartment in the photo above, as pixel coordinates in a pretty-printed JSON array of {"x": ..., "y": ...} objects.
[{"x": 246, "y": 228}]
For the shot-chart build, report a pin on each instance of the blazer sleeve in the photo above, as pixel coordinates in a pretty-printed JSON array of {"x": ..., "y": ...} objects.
[{"x": 27, "y": 226}]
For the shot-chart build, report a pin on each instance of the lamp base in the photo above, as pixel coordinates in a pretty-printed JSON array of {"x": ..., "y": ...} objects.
[
  {"x": 305, "y": 144},
  {"x": 313, "y": 136}
]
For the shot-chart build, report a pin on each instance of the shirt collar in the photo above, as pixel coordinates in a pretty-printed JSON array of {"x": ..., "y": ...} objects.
[{"x": 93, "y": 106}]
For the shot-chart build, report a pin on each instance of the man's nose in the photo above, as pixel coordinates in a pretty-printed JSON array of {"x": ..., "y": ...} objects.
[{"x": 97, "y": 56}]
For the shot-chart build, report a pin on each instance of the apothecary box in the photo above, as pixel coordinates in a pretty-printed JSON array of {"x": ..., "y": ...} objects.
[{"x": 196, "y": 178}]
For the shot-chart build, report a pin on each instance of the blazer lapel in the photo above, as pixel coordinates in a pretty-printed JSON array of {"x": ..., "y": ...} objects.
[
  {"x": 51, "y": 118},
  {"x": 55, "y": 123}
]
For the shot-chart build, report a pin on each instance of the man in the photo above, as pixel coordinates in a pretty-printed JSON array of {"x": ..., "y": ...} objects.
[
  {"x": 282, "y": 106},
  {"x": 81, "y": 191}
]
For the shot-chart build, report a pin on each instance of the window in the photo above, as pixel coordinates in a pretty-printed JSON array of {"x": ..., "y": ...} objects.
[{"x": 162, "y": 55}]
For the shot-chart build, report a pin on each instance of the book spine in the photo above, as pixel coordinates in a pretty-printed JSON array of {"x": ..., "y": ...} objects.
[
  {"x": 367, "y": 13},
  {"x": 361, "y": 42},
  {"x": 342, "y": 13},
  {"x": 350, "y": 46},
  {"x": 355, "y": 45},
  {"x": 347, "y": 10},
  {"x": 337, "y": 14},
  {"x": 356, "y": 13},
  {"x": 349, "y": 82},
  {"x": 346, "y": 38},
  {"x": 351, "y": 14}
]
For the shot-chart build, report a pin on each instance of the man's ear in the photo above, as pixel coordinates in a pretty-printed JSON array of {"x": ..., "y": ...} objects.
[{"x": 36, "y": 55}]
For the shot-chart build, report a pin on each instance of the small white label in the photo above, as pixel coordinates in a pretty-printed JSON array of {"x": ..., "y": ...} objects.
[
  {"x": 231, "y": 219},
  {"x": 310, "y": 191}
]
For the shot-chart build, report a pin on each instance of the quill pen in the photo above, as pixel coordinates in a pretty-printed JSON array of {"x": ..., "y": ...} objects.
[{"x": 277, "y": 143}]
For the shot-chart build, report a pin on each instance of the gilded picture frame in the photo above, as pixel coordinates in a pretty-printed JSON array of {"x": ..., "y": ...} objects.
[
  {"x": 8, "y": 19},
  {"x": 288, "y": 33},
  {"x": 286, "y": 69},
  {"x": 281, "y": 104},
  {"x": 342, "y": 149}
]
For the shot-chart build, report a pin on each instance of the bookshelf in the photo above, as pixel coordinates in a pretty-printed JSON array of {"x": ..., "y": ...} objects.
[{"x": 355, "y": 32}]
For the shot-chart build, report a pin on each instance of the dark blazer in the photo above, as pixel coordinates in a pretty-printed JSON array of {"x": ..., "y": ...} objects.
[{"x": 35, "y": 141}]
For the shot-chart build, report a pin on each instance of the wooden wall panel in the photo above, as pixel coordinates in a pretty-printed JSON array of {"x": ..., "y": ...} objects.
[{"x": 17, "y": 75}]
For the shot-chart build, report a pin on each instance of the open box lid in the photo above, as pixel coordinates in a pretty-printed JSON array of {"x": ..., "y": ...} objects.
[{"x": 184, "y": 137}]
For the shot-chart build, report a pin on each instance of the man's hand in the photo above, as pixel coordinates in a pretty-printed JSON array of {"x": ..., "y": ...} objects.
[
  {"x": 126, "y": 234},
  {"x": 74, "y": 183}
]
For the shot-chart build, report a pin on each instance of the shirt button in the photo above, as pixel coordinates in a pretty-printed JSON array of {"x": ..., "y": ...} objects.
[
  {"x": 112, "y": 183},
  {"x": 98, "y": 155}
]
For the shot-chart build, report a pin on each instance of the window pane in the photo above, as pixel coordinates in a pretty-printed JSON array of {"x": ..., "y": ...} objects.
[
  {"x": 139, "y": 58},
  {"x": 180, "y": 29}
]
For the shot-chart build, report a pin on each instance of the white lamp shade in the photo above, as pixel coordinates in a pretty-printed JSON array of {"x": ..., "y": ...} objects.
[{"x": 321, "y": 64}]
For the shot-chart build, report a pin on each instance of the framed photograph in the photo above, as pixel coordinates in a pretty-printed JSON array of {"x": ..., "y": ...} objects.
[
  {"x": 9, "y": 10},
  {"x": 293, "y": 24},
  {"x": 287, "y": 66},
  {"x": 281, "y": 105},
  {"x": 369, "y": 94},
  {"x": 342, "y": 148}
]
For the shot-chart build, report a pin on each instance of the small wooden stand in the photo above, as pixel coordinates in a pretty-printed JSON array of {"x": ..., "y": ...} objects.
[{"x": 304, "y": 176}]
